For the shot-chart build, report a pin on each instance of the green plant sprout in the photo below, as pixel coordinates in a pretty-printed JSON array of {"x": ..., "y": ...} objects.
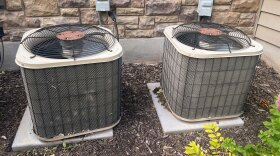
[{"x": 218, "y": 145}]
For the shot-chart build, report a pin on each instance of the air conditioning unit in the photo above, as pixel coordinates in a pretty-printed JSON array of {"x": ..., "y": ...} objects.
[
  {"x": 207, "y": 70},
  {"x": 72, "y": 78}
]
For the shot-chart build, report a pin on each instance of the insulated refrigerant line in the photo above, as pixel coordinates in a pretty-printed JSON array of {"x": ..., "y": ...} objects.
[
  {"x": 99, "y": 18},
  {"x": 114, "y": 19},
  {"x": 2, "y": 53}
]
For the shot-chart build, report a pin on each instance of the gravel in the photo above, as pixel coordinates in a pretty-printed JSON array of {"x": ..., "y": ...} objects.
[{"x": 139, "y": 132}]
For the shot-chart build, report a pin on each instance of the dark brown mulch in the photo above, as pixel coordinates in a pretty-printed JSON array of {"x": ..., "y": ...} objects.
[
  {"x": 139, "y": 132},
  {"x": 12, "y": 105}
]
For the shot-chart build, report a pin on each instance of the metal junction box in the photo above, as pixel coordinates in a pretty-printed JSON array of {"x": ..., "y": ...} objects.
[
  {"x": 102, "y": 5},
  {"x": 205, "y": 7}
]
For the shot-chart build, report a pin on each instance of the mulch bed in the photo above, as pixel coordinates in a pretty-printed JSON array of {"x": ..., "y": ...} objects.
[{"x": 139, "y": 132}]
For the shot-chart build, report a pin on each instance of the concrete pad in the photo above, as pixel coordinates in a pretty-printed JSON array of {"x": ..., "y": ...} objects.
[
  {"x": 171, "y": 124},
  {"x": 26, "y": 139},
  {"x": 10, "y": 55},
  {"x": 142, "y": 50}
]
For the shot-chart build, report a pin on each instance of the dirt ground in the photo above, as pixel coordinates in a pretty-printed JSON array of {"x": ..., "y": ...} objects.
[{"x": 139, "y": 132}]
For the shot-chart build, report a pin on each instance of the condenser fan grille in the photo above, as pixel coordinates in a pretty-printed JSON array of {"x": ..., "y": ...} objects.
[
  {"x": 68, "y": 41},
  {"x": 211, "y": 36}
]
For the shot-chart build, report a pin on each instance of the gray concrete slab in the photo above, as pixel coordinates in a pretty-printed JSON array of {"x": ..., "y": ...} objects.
[
  {"x": 26, "y": 139},
  {"x": 10, "y": 55},
  {"x": 141, "y": 50},
  {"x": 171, "y": 124}
]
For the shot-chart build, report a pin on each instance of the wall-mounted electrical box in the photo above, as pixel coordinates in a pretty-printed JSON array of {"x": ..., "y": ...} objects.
[
  {"x": 205, "y": 7},
  {"x": 2, "y": 4},
  {"x": 102, "y": 5}
]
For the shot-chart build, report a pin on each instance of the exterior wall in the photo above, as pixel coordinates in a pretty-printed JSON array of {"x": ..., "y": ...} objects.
[
  {"x": 268, "y": 28},
  {"x": 268, "y": 32},
  {"x": 136, "y": 18}
]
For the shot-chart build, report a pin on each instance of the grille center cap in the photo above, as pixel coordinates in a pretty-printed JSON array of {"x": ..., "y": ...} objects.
[
  {"x": 210, "y": 31},
  {"x": 70, "y": 35}
]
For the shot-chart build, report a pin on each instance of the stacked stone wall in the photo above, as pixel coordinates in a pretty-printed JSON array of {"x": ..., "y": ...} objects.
[{"x": 136, "y": 18}]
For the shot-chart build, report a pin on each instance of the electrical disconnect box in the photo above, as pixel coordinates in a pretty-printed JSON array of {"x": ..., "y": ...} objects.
[
  {"x": 102, "y": 5},
  {"x": 205, "y": 7}
]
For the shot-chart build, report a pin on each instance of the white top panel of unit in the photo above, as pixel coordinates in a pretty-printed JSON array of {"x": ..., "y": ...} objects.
[
  {"x": 26, "y": 59},
  {"x": 255, "y": 49}
]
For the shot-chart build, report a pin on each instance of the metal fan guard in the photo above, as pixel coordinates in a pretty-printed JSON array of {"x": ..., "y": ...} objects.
[
  {"x": 68, "y": 41},
  {"x": 211, "y": 36}
]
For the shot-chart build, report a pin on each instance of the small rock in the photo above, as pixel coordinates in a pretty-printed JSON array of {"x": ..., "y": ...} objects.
[{"x": 4, "y": 137}]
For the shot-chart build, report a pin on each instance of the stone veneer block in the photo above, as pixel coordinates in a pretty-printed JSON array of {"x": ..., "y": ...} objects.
[
  {"x": 138, "y": 3},
  {"x": 245, "y": 5},
  {"x": 131, "y": 27},
  {"x": 221, "y": 8},
  {"x": 188, "y": 14},
  {"x": 171, "y": 124},
  {"x": 246, "y": 22},
  {"x": 247, "y": 15},
  {"x": 69, "y": 12},
  {"x": 222, "y": 2},
  {"x": 32, "y": 22},
  {"x": 120, "y": 3},
  {"x": 89, "y": 16},
  {"x": 12, "y": 19},
  {"x": 189, "y": 2},
  {"x": 131, "y": 20},
  {"x": 92, "y": 3},
  {"x": 26, "y": 139},
  {"x": 37, "y": 8},
  {"x": 73, "y": 3},
  {"x": 49, "y": 21},
  {"x": 130, "y": 11},
  {"x": 160, "y": 7},
  {"x": 139, "y": 33},
  {"x": 14, "y": 5},
  {"x": 146, "y": 22},
  {"x": 229, "y": 18},
  {"x": 166, "y": 19}
]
